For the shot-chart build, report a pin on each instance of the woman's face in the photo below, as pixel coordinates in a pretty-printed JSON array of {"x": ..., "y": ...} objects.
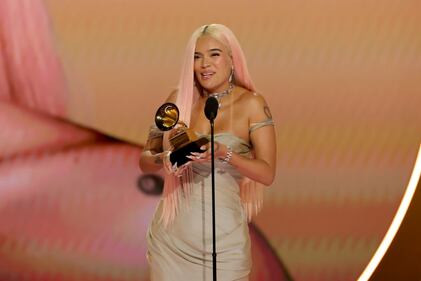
[{"x": 212, "y": 64}]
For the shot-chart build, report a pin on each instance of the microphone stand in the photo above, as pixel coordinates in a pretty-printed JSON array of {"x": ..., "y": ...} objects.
[
  {"x": 211, "y": 110},
  {"x": 213, "y": 200}
]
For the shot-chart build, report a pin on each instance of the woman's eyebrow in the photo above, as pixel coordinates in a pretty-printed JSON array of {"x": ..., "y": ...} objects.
[
  {"x": 215, "y": 49},
  {"x": 210, "y": 50}
]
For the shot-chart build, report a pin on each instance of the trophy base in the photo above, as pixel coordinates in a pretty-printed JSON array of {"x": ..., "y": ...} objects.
[{"x": 179, "y": 156}]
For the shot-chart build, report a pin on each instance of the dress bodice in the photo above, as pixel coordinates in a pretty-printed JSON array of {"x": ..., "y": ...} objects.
[{"x": 238, "y": 145}]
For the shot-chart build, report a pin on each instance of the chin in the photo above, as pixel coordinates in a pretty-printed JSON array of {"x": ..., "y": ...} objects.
[
  {"x": 209, "y": 88},
  {"x": 206, "y": 87}
]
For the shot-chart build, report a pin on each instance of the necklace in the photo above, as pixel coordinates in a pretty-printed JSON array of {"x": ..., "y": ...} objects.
[{"x": 219, "y": 96}]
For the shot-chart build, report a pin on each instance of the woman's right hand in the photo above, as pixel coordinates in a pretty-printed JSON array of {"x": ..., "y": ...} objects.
[{"x": 172, "y": 168}]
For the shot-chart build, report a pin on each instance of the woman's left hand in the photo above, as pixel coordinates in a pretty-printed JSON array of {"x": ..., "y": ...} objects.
[{"x": 206, "y": 155}]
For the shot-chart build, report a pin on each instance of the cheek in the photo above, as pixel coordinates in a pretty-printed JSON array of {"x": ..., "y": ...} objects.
[
  {"x": 196, "y": 67},
  {"x": 224, "y": 68},
  {"x": 223, "y": 64}
]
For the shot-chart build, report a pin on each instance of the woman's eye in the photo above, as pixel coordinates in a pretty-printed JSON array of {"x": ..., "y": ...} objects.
[{"x": 215, "y": 55}]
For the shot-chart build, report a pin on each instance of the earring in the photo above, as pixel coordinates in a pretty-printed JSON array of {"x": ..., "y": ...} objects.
[{"x": 232, "y": 74}]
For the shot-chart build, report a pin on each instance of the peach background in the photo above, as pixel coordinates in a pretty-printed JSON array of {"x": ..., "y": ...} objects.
[{"x": 341, "y": 78}]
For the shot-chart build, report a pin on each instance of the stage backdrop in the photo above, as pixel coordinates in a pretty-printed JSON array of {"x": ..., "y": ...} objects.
[{"x": 79, "y": 85}]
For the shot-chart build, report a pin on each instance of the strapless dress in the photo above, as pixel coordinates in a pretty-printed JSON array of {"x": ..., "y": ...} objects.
[{"x": 182, "y": 251}]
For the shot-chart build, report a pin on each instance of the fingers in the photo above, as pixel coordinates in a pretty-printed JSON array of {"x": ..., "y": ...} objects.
[
  {"x": 201, "y": 157},
  {"x": 204, "y": 147},
  {"x": 207, "y": 147},
  {"x": 171, "y": 168},
  {"x": 179, "y": 170},
  {"x": 196, "y": 156},
  {"x": 206, "y": 153}
]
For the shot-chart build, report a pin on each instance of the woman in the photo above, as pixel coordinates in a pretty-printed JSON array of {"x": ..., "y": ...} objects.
[{"x": 180, "y": 235}]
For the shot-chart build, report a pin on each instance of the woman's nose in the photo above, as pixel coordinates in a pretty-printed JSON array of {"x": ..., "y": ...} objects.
[{"x": 205, "y": 62}]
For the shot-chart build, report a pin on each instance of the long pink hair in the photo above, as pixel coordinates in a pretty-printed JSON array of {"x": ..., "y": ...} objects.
[{"x": 250, "y": 194}]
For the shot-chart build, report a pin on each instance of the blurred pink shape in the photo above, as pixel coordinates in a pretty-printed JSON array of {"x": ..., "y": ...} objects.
[
  {"x": 23, "y": 131},
  {"x": 30, "y": 72}
]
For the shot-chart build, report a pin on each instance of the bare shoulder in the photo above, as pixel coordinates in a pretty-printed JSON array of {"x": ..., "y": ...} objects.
[
  {"x": 252, "y": 99},
  {"x": 256, "y": 105}
]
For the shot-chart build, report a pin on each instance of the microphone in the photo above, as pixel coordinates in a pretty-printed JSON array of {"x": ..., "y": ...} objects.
[{"x": 211, "y": 108}]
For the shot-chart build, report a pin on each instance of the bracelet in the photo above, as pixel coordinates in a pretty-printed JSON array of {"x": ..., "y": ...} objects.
[{"x": 228, "y": 155}]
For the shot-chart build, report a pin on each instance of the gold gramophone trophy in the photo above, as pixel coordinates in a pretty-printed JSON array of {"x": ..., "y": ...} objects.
[{"x": 184, "y": 142}]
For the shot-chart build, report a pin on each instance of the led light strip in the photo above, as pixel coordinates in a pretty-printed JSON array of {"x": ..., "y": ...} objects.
[{"x": 397, "y": 220}]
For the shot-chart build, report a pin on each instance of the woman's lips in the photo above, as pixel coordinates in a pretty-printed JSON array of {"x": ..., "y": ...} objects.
[
  {"x": 23, "y": 132},
  {"x": 70, "y": 193},
  {"x": 206, "y": 75}
]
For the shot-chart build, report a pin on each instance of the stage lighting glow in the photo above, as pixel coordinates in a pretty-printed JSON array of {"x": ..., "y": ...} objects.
[{"x": 397, "y": 220}]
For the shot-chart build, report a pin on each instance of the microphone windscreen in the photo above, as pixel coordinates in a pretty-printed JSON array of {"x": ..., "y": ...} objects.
[{"x": 211, "y": 108}]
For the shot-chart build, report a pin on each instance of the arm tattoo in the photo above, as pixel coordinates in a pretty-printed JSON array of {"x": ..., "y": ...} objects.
[
  {"x": 158, "y": 160},
  {"x": 148, "y": 145},
  {"x": 267, "y": 112}
]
